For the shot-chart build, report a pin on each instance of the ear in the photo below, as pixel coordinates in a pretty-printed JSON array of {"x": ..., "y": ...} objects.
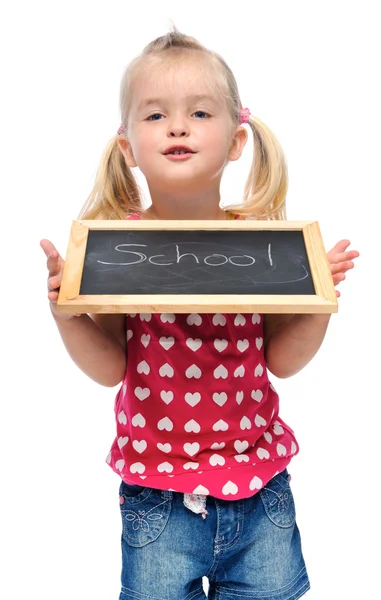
[
  {"x": 238, "y": 144},
  {"x": 126, "y": 150}
]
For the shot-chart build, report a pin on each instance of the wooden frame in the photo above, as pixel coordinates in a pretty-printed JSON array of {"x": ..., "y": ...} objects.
[{"x": 324, "y": 301}]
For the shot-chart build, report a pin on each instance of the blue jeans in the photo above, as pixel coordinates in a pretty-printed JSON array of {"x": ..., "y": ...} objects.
[{"x": 247, "y": 548}]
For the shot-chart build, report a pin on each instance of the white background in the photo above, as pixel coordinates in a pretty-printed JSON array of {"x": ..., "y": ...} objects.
[{"x": 311, "y": 71}]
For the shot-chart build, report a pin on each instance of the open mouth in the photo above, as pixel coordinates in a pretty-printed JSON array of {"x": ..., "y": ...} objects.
[{"x": 178, "y": 150}]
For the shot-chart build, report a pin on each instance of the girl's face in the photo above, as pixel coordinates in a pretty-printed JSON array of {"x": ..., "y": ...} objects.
[{"x": 180, "y": 133}]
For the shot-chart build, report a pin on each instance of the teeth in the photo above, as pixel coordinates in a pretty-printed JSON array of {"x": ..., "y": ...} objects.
[{"x": 179, "y": 152}]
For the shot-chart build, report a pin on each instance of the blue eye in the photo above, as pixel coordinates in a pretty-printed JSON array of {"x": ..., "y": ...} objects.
[
  {"x": 201, "y": 114},
  {"x": 153, "y": 117}
]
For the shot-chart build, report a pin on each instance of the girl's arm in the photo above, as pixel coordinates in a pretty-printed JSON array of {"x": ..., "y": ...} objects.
[
  {"x": 97, "y": 343},
  {"x": 98, "y": 350},
  {"x": 294, "y": 341},
  {"x": 291, "y": 341}
]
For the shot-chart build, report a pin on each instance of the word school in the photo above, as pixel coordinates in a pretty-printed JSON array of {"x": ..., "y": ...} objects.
[{"x": 215, "y": 257}]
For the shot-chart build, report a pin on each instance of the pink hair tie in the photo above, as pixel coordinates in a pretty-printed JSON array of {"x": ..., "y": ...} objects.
[
  {"x": 244, "y": 114},
  {"x": 121, "y": 129}
]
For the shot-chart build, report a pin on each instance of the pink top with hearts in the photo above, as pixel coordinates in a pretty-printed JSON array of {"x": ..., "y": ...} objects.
[{"x": 196, "y": 412}]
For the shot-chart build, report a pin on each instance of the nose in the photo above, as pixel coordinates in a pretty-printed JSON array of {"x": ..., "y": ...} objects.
[{"x": 178, "y": 127}]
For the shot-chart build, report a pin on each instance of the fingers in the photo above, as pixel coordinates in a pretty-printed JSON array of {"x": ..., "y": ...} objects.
[
  {"x": 53, "y": 296},
  {"x": 338, "y": 278},
  {"x": 345, "y": 256},
  {"x": 54, "y": 260},
  {"x": 338, "y": 253},
  {"x": 341, "y": 267}
]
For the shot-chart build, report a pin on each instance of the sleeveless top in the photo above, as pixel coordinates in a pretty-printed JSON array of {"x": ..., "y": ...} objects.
[{"x": 196, "y": 412}]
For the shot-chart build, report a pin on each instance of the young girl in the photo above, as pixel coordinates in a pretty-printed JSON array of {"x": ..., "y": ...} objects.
[{"x": 200, "y": 446}]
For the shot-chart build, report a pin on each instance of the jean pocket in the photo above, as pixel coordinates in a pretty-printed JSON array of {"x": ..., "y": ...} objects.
[
  {"x": 278, "y": 500},
  {"x": 145, "y": 512}
]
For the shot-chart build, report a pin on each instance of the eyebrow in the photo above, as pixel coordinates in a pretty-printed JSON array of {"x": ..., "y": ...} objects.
[{"x": 191, "y": 99}]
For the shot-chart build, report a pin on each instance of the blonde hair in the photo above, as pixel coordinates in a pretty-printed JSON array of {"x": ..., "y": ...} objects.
[{"x": 116, "y": 194}]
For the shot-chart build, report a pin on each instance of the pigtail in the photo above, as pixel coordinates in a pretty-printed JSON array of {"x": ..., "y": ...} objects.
[
  {"x": 115, "y": 193},
  {"x": 266, "y": 186}
]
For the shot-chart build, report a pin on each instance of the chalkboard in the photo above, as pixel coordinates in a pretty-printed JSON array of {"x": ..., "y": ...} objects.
[{"x": 203, "y": 266}]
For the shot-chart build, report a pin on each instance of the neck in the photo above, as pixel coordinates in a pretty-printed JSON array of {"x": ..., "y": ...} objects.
[{"x": 185, "y": 206}]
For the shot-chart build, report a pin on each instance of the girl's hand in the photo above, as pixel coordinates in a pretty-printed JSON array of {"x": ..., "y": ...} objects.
[
  {"x": 341, "y": 261},
  {"x": 55, "y": 264}
]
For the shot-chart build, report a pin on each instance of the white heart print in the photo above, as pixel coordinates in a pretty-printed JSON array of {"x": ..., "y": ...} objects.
[
  {"x": 122, "y": 418},
  {"x": 143, "y": 367},
  {"x": 139, "y": 446},
  {"x": 217, "y": 446},
  {"x": 138, "y": 420},
  {"x": 263, "y": 453},
  {"x": 245, "y": 423},
  {"x": 130, "y": 333},
  {"x": 220, "y": 345},
  {"x": 256, "y": 483},
  {"x": 259, "y": 342},
  {"x": 191, "y": 465},
  {"x": 277, "y": 428},
  {"x": 167, "y": 397},
  {"x": 119, "y": 464},
  {"x": 257, "y": 395},
  {"x": 165, "y": 466},
  {"x": 167, "y": 318},
  {"x": 194, "y": 344},
  {"x": 165, "y": 423},
  {"x": 240, "y": 371},
  {"x": 239, "y": 320},
  {"x": 221, "y": 371},
  {"x": 191, "y": 448},
  {"x": 220, "y": 398},
  {"x": 192, "y": 399},
  {"x": 242, "y": 345},
  {"x": 137, "y": 468},
  {"x": 122, "y": 441},
  {"x": 241, "y": 458},
  {"x": 192, "y": 427},
  {"x": 281, "y": 450},
  {"x": 239, "y": 397},
  {"x": 268, "y": 437},
  {"x": 145, "y": 317},
  {"x": 164, "y": 447},
  {"x": 230, "y": 488},
  {"x": 200, "y": 489},
  {"x": 166, "y": 370},
  {"x": 216, "y": 459},
  {"x": 166, "y": 342},
  {"x": 145, "y": 339},
  {"x": 258, "y": 370},
  {"x": 220, "y": 426},
  {"x": 241, "y": 446},
  {"x": 193, "y": 371},
  {"x": 194, "y": 319},
  {"x": 219, "y": 319},
  {"x": 142, "y": 393},
  {"x": 255, "y": 319},
  {"x": 260, "y": 421}
]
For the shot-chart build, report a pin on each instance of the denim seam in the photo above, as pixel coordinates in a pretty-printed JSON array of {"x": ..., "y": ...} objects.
[
  {"x": 303, "y": 589},
  {"x": 269, "y": 594},
  {"x": 140, "y": 596},
  {"x": 238, "y": 534}
]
